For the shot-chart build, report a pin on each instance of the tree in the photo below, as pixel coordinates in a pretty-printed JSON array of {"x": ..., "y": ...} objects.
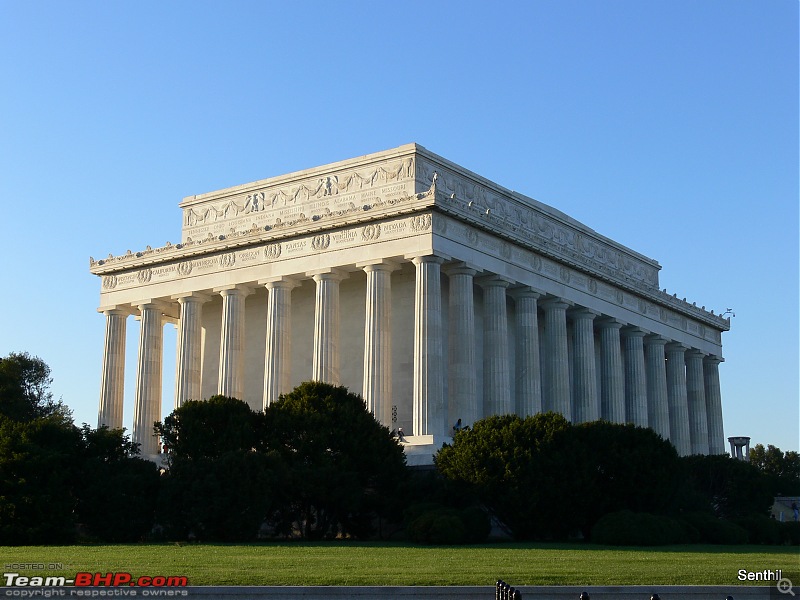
[
  {"x": 546, "y": 478},
  {"x": 624, "y": 468},
  {"x": 54, "y": 476},
  {"x": 25, "y": 389},
  {"x": 116, "y": 491},
  {"x": 225, "y": 498},
  {"x": 782, "y": 469},
  {"x": 39, "y": 459},
  {"x": 208, "y": 429},
  {"x": 728, "y": 487},
  {"x": 219, "y": 486},
  {"x": 524, "y": 470},
  {"x": 343, "y": 466}
]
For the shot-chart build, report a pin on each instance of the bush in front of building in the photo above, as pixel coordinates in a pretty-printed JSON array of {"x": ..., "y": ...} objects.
[
  {"x": 627, "y": 528},
  {"x": 705, "y": 528},
  {"x": 760, "y": 529},
  {"x": 433, "y": 523},
  {"x": 790, "y": 533}
]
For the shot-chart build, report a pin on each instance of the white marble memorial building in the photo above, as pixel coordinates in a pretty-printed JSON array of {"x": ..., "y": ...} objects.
[{"x": 432, "y": 292}]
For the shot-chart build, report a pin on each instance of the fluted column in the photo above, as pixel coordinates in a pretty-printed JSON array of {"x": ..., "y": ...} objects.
[
  {"x": 586, "y": 406},
  {"x": 378, "y": 341},
  {"x": 231, "y": 352},
  {"x": 188, "y": 367},
  {"x": 657, "y": 400},
  {"x": 676, "y": 393},
  {"x": 112, "y": 385},
  {"x": 326, "y": 327},
  {"x": 147, "y": 405},
  {"x": 428, "y": 409},
  {"x": 635, "y": 379},
  {"x": 529, "y": 377},
  {"x": 696, "y": 400},
  {"x": 557, "y": 391},
  {"x": 716, "y": 435},
  {"x": 496, "y": 368},
  {"x": 278, "y": 352},
  {"x": 612, "y": 374},
  {"x": 462, "y": 388}
]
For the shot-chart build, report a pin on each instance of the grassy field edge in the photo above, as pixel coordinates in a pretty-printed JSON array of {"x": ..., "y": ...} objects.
[{"x": 364, "y": 563}]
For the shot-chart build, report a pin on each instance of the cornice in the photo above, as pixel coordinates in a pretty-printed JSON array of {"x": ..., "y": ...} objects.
[{"x": 404, "y": 180}]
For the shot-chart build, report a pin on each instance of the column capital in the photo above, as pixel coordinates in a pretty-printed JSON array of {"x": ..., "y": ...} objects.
[
  {"x": 459, "y": 268},
  {"x": 116, "y": 309},
  {"x": 524, "y": 291},
  {"x": 609, "y": 323},
  {"x": 675, "y": 347},
  {"x": 286, "y": 283},
  {"x": 378, "y": 265},
  {"x": 713, "y": 359},
  {"x": 192, "y": 297},
  {"x": 238, "y": 289},
  {"x": 493, "y": 280},
  {"x": 426, "y": 258},
  {"x": 329, "y": 274},
  {"x": 555, "y": 302},
  {"x": 581, "y": 312},
  {"x": 655, "y": 340},
  {"x": 695, "y": 353},
  {"x": 382, "y": 264},
  {"x": 161, "y": 305},
  {"x": 634, "y": 331}
]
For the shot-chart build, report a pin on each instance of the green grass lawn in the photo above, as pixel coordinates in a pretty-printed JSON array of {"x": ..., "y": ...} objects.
[{"x": 405, "y": 564}]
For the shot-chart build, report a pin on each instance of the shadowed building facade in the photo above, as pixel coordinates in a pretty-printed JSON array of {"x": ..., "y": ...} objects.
[{"x": 434, "y": 293}]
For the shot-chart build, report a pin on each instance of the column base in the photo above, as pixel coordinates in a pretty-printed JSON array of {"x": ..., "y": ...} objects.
[{"x": 419, "y": 449}]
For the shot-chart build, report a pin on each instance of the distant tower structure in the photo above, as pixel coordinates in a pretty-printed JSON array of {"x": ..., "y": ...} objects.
[{"x": 737, "y": 443}]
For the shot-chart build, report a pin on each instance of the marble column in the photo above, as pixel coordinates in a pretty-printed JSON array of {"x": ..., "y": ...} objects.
[
  {"x": 586, "y": 407},
  {"x": 232, "y": 346},
  {"x": 188, "y": 365},
  {"x": 529, "y": 377},
  {"x": 325, "y": 365},
  {"x": 378, "y": 341},
  {"x": 635, "y": 378},
  {"x": 676, "y": 394},
  {"x": 428, "y": 399},
  {"x": 496, "y": 368},
  {"x": 462, "y": 375},
  {"x": 147, "y": 405},
  {"x": 557, "y": 391},
  {"x": 278, "y": 352},
  {"x": 696, "y": 400},
  {"x": 657, "y": 399},
  {"x": 612, "y": 374},
  {"x": 112, "y": 385},
  {"x": 716, "y": 435}
]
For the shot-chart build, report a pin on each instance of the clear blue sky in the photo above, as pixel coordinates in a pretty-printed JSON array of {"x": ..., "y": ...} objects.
[{"x": 670, "y": 126}]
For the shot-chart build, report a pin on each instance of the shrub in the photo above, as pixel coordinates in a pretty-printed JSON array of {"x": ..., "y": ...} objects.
[
  {"x": 789, "y": 533},
  {"x": 442, "y": 526},
  {"x": 626, "y": 528},
  {"x": 760, "y": 529},
  {"x": 715, "y": 531},
  {"x": 477, "y": 524},
  {"x": 433, "y": 523}
]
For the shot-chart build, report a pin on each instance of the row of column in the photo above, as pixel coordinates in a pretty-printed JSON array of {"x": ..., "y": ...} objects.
[{"x": 663, "y": 385}]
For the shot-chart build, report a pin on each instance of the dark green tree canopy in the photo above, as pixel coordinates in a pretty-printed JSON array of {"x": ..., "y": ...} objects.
[
  {"x": 25, "y": 389},
  {"x": 521, "y": 469},
  {"x": 343, "y": 464},
  {"x": 728, "y": 487},
  {"x": 207, "y": 429},
  {"x": 782, "y": 469},
  {"x": 546, "y": 478}
]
